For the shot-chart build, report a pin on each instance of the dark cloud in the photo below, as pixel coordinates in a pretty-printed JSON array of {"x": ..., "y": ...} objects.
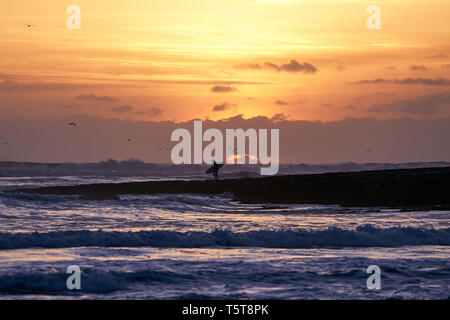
[
  {"x": 68, "y": 106},
  {"x": 153, "y": 112},
  {"x": 438, "y": 56},
  {"x": 359, "y": 98},
  {"x": 282, "y": 103},
  {"x": 426, "y": 81},
  {"x": 397, "y": 140},
  {"x": 279, "y": 117},
  {"x": 93, "y": 97},
  {"x": 375, "y": 109},
  {"x": 254, "y": 66},
  {"x": 271, "y": 65},
  {"x": 11, "y": 86},
  {"x": 375, "y": 81},
  {"x": 407, "y": 81},
  {"x": 415, "y": 67},
  {"x": 223, "y": 89},
  {"x": 293, "y": 66},
  {"x": 424, "y": 105},
  {"x": 122, "y": 109},
  {"x": 223, "y": 106}
]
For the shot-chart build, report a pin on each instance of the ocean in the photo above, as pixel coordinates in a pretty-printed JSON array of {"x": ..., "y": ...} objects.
[{"x": 191, "y": 246}]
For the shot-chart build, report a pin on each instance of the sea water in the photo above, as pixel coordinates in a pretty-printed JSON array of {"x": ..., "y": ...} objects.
[{"x": 192, "y": 246}]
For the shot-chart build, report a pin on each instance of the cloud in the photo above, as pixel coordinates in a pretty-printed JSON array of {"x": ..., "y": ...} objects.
[
  {"x": 426, "y": 81},
  {"x": 254, "y": 66},
  {"x": 11, "y": 86},
  {"x": 93, "y": 97},
  {"x": 153, "y": 112},
  {"x": 282, "y": 103},
  {"x": 122, "y": 109},
  {"x": 375, "y": 109},
  {"x": 223, "y": 89},
  {"x": 408, "y": 81},
  {"x": 423, "y": 105},
  {"x": 68, "y": 106},
  {"x": 359, "y": 98},
  {"x": 271, "y": 65},
  {"x": 379, "y": 80},
  {"x": 279, "y": 117},
  {"x": 223, "y": 106},
  {"x": 415, "y": 67},
  {"x": 333, "y": 141},
  {"x": 293, "y": 67},
  {"x": 438, "y": 56},
  {"x": 446, "y": 66}
]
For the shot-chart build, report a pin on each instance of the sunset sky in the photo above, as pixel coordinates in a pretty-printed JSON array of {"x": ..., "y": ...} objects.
[{"x": 177, "y": 60}]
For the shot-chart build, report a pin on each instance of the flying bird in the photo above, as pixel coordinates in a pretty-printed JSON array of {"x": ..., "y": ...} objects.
[
  {"x": 73, "y": 124},
  {"x": 29, "y": 25},
  {"x": 369, "y": 150}
]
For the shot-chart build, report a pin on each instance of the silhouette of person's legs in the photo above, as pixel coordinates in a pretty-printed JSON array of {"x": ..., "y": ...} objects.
[{"x": 216, "y": 175}]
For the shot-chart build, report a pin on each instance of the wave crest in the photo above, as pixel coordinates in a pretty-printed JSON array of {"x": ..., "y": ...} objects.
[{"x": 363, "y": 236}]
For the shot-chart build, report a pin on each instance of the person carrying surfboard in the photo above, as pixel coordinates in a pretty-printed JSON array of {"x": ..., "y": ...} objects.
[{"x": 215, "y": 169}]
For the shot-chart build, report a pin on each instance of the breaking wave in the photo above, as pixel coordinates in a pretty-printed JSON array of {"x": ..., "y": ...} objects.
[{"x": 363, "y": 236}]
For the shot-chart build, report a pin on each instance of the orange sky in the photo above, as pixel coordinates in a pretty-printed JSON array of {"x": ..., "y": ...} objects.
[{"x": 179, "y": 59}]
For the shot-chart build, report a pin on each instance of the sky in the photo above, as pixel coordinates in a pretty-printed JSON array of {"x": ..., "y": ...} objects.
[{"x": 167, "y": 62}]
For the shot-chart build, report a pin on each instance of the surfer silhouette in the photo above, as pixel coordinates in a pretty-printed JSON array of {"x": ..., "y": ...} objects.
[{"x": 215, "y": 169}]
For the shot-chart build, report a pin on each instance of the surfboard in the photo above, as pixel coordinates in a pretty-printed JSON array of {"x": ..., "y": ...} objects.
[{"x": 210, "y": 170}]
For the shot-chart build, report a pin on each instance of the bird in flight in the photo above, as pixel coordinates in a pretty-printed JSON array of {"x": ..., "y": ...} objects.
[
  {"x": 129, "y": 139},
  {"x": 29, "y": 25},
  {"x": 73, "y": 124},
  {"x": 5, "y": 143},
  {"x": 369, "y": 150}
]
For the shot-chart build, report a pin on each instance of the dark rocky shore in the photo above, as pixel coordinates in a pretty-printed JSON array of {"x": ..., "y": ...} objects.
[{"x": 392, "y": 188}]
